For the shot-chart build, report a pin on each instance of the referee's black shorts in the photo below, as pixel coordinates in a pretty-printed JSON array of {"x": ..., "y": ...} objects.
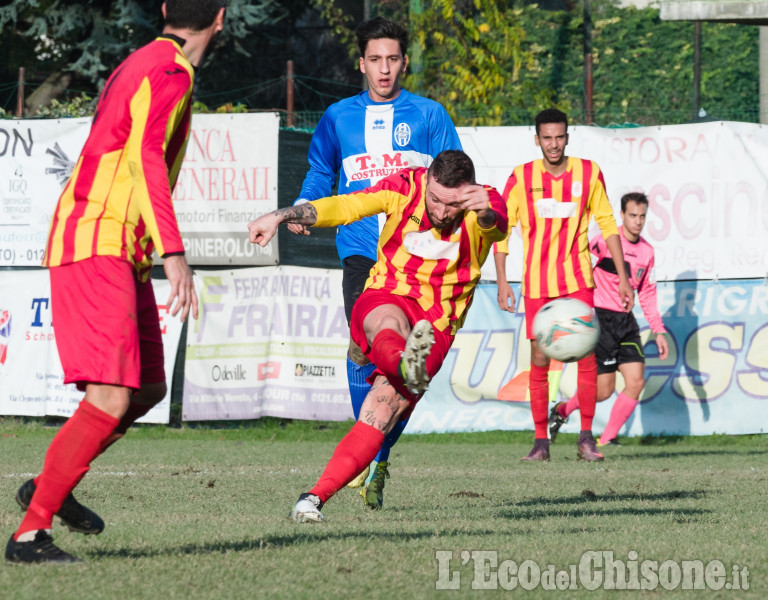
[{"x": 619, "y": 340}]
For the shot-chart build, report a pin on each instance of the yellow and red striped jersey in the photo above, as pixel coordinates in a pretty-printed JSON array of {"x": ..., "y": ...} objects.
[
  {"x": 118, "y": 200},
  {"x": 554, "y": 215},
  {"x": 437, "y": 268}
]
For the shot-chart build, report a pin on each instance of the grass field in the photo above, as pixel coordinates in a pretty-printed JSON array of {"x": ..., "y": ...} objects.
[{"x": 202, "y": 513}]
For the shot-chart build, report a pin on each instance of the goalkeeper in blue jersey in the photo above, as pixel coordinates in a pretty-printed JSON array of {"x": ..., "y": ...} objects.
[{"x": 361, "y": 140}]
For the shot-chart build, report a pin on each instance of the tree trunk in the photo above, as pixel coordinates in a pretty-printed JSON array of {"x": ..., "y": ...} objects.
[{"x": 51, "y": 89}]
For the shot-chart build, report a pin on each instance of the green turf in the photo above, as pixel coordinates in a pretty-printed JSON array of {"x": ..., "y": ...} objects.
[{"x": 202, "y": 513}]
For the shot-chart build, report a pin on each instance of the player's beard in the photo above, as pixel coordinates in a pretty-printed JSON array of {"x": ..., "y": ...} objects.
[{"x": 440, "y": 225}]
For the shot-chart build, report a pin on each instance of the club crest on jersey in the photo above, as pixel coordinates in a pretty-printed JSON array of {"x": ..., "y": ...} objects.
[
  {"x": 576, "y": 189},
  {"x": 402, "y": 134}
]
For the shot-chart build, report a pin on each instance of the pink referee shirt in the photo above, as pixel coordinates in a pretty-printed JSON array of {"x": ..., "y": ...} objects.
[{"x": 638, "y": 257}]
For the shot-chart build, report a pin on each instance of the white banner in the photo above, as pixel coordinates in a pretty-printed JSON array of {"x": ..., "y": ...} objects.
[
  {"x": 707, "y": 184},
  {"x": 31, "y": 378},
  {"x": 36, "y": 160},
  {"x": 270, "y": 341},
  {"x": 229, "y": 176}
]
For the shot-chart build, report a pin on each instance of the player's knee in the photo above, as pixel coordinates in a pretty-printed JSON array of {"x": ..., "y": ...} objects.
[
  {"x": 151, "y": 393},
  {"x": 356, "y": 355},
  {"x": 603, "y": 395},
  {"x": 633, "y": 386}
]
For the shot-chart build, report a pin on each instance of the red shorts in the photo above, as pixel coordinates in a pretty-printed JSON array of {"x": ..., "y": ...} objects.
[
  {"x": 369, "y": 300},
  {"x": 533, "y": 305},
  {"x": 106, "y": 324}
]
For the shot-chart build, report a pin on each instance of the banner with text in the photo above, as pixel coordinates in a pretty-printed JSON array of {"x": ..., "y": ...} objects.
[
  {"x": 229, "y": 176},
  {"x": 31, "y": 378},
  {"x": 715, "y": 379},
  {"x": 707, "y": 184},
  {"x": 270, "y": 341}
]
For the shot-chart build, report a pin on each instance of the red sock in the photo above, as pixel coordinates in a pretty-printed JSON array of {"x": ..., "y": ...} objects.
[
  {"x": 386, "y": 352},
  {"x": 355, "y": 452},
  {"x": 566, "y": 409},
  {"x": 621, "y": 411},
  {"x": 538, "y": 385},
  {"x": 587, "y": 385},
  {"x": 68, "y": 459}
]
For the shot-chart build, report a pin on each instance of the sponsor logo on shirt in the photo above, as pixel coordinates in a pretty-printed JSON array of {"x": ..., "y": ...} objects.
[
  {"x": 576, "y": 189},
  {"x": 425, "y": 245},
  {"x": 550, "y": 208},
  {"x": 378, "y": 124},
  {"x": 402, "y": 134},
  {"x": 369, "y": 167}
]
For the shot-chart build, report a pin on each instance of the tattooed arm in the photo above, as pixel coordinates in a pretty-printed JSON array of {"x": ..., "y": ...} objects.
[{"x": 263, "y": 229}]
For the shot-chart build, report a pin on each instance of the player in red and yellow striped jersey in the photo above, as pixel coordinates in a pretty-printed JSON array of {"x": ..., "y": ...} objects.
[
  {"x": 440, "y": 227},
  {"x": 115, "y": 209},
  {"x": 553, "y": 199}
]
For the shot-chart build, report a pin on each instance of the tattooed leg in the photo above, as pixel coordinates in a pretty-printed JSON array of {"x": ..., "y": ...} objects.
[{"x": 383, "y": 406}]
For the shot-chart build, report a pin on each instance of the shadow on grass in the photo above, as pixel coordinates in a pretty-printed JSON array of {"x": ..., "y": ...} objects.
[
  {"x": 588, "y": 505},
  {"x": 308, "y": 534},
  {"x": 683, "y": 514},
  {"x": 590, "y": 497},
  {"x": 676, "y": 454}
]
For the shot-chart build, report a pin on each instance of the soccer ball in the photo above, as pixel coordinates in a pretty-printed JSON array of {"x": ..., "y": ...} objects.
[{"x": 566, "y": 329}]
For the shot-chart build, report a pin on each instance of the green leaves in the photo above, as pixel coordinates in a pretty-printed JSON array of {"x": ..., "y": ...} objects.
[
  {"x": 91, "y": 38},
  {"x": 489, "y": 59},
  {"x": 494, "y": 63}
]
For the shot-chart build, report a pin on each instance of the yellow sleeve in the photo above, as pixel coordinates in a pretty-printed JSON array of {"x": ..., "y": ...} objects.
[
  {"x": 511, "y": 195},
  {"x": 600, "y": 206},
  {"x": 348, "y": 208}
]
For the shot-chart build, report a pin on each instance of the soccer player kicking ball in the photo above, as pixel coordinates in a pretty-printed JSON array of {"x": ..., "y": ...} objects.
[
  {"x": 619, "y": 346},
  {"x": 553, "y": 198},
  {"x": 361, "y": 140},
  {"x": 114, "y": 211},
  {"x": 439, "y": 229}
]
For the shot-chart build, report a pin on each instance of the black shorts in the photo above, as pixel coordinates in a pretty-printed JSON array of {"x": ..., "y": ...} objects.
[
  {"x": 356, "y": 270},
  {"x": 619, "y": 340}
]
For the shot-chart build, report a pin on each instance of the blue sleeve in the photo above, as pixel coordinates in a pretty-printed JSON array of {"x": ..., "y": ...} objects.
[
  {"x": 324, "y": 160},
  {"x": 443, "y": 132}
]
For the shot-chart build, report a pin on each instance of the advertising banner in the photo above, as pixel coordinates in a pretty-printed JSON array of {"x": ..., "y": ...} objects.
[
  {"x": 270, "y": 341},
  {"x": 228, "y": 177},
  {"x": 31, "y": 378},
  {"x": 707, "y": 185},
  {"x": 36, "y": 160},
  {"x": 715, "y": 379}
]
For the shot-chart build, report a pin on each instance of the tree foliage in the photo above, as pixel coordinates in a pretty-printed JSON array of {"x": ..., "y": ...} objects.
[
  {"x": 643, "y": 66},
  {"x": 499, "y": 62},
  {"x": 478, "y": 60},
  {"x": 89, "y": 39},
  {"x": 489, "y": 62}
]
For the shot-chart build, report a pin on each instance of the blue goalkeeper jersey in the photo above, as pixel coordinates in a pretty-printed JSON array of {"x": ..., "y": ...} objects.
[{"x": 363, "y": 141}]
